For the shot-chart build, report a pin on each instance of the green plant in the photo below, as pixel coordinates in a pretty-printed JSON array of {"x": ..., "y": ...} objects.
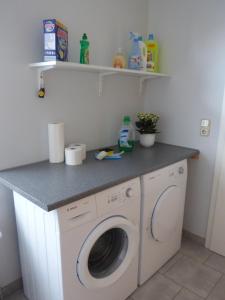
[{"x": 147, "y": 123}]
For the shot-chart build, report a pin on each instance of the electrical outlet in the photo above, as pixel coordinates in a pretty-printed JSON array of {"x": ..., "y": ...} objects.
[
  {"x": 205, "y": 127},
  {"x": 204, "y": 131}
]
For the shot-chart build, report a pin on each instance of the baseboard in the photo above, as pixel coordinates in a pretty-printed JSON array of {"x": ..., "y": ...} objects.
[
  {"x": 12, "y": 287},
  {"x": 194, "y": 237}
]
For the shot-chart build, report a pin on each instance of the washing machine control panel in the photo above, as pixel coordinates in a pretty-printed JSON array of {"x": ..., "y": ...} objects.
[
  {"x": 116, "y": 196},
  {"x": 181, "y": 170},
  {"x": 120, "y": 195},
  {"x": 129, "y": 192}
]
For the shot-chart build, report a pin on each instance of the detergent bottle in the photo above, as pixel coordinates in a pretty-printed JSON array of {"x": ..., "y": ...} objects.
[
  {"x": 134, "y": 61},
  {"x": 84, "y": 50},
  {"x": 144, "y": 56},
  {"x": 152, "y": 54},
  {"x": 119, "y": 60},
  {"x": 126, "y": 135}
]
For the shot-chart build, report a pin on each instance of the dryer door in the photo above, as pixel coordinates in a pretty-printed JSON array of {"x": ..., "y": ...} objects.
[
  {"x": 107, "y": 252},
  {"x": 166, "y": 214}
]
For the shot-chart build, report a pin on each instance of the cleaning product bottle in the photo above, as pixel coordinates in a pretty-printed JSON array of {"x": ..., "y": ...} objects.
[
  {"x": 152, "y": 54},
  {"x": 84, "y": 50},
  {"x": 126, "y": 135},
  {"x": 144, "y": 56},
  {"x": 134, "y": 61},
  {"x": 119, "y": 60}
]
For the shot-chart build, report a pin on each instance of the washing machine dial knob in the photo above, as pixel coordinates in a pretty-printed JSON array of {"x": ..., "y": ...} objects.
[
  {"x": 129, "y": 192},
  {"x": 181, "y": 170}
]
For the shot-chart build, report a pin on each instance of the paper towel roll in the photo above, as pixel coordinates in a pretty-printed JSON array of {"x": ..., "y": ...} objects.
[
  {"x": 84, "y": 149},
  {"x": 56, "y": 142},
  {"x": 73, "y": 155}
]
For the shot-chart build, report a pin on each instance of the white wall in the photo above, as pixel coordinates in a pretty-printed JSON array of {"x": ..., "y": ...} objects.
[
  {"x": 71, "y": 97},
  {"x": 192, "y": 42}
]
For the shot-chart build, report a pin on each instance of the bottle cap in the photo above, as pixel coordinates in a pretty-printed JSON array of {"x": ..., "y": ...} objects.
[
  {"x": 84, "y": 36},
  {"x": 126, "y": 120},
  {"x": 151, "y": 37}
]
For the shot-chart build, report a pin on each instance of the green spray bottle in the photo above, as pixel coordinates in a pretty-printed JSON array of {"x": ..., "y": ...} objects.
[{"x": 84, "y": 50}]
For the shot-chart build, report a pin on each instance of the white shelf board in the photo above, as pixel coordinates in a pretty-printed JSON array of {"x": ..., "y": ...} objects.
[
  {"x": 94, "y": 69},
  {"x": 102, "y": 72}
]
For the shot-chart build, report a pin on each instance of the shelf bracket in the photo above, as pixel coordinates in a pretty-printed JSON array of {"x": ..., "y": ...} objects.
[
  {"x": 41, "y": 82},
  {"x": 141, "y": 83},
  {"x": 100, "y": 82}
]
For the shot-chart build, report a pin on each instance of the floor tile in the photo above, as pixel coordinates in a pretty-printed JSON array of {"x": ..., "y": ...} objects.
[
  {"x": 216, "y": 262},
  {"x": 17, "y": 296},
  {"x": 187, "y": 295},
  {"x": 158, "y": 287},
  {"x": 170, "y": 263},
  {"x": 194, "y": 276},
  {"x": 194, "y": 250},
  {"x": 218, "y": 292}
]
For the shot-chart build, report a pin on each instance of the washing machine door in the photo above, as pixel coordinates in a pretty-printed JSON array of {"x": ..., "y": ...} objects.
[
  {"x": 166, "y": 214},
  {"x": 107, "y": 252}
]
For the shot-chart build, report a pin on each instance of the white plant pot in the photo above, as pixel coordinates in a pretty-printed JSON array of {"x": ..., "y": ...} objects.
[{"x": 147, "y": 139}]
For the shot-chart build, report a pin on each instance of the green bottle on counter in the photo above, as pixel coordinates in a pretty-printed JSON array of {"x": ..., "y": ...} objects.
[
  {"x": 126, "y": 135},
  {"x": 84, "y": 50}
]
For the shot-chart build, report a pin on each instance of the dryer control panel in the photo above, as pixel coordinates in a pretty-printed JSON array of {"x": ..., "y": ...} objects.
[{"x": 175, "y": 172}]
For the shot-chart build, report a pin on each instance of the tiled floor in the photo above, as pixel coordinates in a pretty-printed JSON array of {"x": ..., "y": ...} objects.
[{"x": 194, "y": 273}]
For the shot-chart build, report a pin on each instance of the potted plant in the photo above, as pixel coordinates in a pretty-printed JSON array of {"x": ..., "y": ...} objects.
[{"x": 147, "y": 127}]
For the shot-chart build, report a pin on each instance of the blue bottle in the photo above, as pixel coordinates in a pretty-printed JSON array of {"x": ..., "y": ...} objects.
[{"x": 135, "y": 57}]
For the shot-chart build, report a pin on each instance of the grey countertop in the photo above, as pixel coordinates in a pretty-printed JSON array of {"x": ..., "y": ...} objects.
[{"x": 51, "y": 186}]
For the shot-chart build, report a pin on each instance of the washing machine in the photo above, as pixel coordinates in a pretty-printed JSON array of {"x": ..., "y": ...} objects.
[
  {"x": 87, "y": 250},
  {"x": 162, "y": 210}
]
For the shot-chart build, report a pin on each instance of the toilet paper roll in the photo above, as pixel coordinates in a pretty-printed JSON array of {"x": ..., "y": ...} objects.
[
  {"x": 73, "y": 156},
  {"x": 84, "y": 149},
  {"x": 56, "y": 142}
]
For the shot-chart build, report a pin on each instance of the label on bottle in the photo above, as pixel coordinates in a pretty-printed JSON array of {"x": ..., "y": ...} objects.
[
  {"x": 150, "y": 61},
  {"x": 124, "y": 138},
  {"x": 135, "y": 62}
]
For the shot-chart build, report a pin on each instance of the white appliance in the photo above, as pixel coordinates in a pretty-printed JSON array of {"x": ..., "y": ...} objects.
[
  {"x": 162, "y": 209},
  {"x": 87, "y": 250}
]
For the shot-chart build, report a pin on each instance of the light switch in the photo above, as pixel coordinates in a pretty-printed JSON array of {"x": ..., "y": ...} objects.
[
  {"x": 205, "y": 123},
  {"x": 205, "y": 127}
]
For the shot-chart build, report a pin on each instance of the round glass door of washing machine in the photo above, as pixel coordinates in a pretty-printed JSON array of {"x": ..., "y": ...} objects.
[{"x": 107, "y": 252}]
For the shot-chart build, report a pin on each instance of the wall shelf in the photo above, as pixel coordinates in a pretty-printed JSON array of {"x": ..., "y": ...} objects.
[{"x": 102, "y": 72}]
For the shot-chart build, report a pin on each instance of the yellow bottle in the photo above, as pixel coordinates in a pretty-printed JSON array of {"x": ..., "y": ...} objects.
[
  {"x": 119, "y": 60},
  {"x": 152, "y": 54}
]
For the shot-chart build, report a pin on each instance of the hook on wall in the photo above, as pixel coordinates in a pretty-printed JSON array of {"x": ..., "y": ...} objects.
[{"x": 41, "y": 82}]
